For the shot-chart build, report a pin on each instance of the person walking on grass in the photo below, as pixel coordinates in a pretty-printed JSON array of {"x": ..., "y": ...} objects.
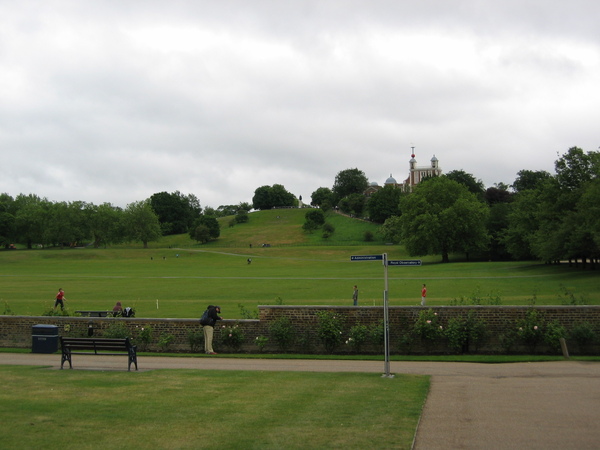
[
  {"x": 355, "y": 295},
  {"x": 209, "y": 328},
  {"x": 60, "y": 299},
  {"x": 423, "y": 295}
]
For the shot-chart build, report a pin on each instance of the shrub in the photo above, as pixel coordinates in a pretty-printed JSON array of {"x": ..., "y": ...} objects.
[
  {"x": 165, "y": 340},
  {"x": 283, "y": 333},
  {"x": 247, "y": 313},
  {"x": 465, "y": 331},
  {"x": 358, "y": 336},
  {"x": 369, "y": 237},
  {"x": 583, "y": 334},
  {"x": 144, "y": 338},
  {"x": 261, "y": 342},
  {"x": 116, "y": 330},
  {"x": 329, "y": 330},
  {"x": 232, "y": 337},
  {"x": 196, "y": 340},
  {"x": 530, "y": 329},
  {"x": 427, "y": 327},
  {"x": 553, "y": 332}
]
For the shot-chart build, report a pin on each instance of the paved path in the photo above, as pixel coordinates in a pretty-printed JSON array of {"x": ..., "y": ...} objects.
[{"x": 550, "y": 405}]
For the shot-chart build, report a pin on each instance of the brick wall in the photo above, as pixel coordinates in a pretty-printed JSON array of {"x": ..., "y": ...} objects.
[{"x": 16, "y": 331}]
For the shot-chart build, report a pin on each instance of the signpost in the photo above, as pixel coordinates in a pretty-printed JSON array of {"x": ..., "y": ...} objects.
[{"x": 386, "y": 315}]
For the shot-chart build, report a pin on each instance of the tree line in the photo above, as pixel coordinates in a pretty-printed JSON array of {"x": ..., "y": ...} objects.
[
  {"x": 34, "y": 221},
  {"x": 550, "y": 217}
]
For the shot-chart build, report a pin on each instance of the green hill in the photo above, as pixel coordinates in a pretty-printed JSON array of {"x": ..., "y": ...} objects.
[{"x": 283, "y": 227}]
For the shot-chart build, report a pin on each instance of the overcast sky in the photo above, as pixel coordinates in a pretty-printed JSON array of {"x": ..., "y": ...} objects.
[{"x": 113, "y": 101}]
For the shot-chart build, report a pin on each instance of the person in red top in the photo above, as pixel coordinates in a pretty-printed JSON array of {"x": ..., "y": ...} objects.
[
  {"x": 423, "y": 295},
  {"x": 60, "y": 299}
]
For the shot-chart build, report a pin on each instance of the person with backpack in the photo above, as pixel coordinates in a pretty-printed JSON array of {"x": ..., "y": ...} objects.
[{"x": 208, "y": 321}]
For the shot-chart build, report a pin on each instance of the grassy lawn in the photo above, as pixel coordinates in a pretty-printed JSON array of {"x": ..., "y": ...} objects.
[
  {"x": 298, "y": 268},
  {"x": 200, "y": 409},
  {"x": 185, "y": 284}
]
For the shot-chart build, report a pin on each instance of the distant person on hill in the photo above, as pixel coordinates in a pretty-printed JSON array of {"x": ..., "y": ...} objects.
[
  {"x": 118, "y": 309},
  {"x": 423, "y": 295},
  {"x": 60, "y": 299},
  {"x": 355, "y": 295}
]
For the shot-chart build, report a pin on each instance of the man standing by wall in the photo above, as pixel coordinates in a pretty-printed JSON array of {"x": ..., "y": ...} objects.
[
  {"x": 423, "y": 295},
  {"x": 209, "y": 327},
  {"x": 355, "y": 295}
]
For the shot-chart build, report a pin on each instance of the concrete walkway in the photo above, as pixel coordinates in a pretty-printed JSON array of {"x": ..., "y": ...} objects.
[{"x": 550, "y": 405}]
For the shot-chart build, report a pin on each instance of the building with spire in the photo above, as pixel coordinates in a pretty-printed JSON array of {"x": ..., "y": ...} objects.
[{"x": 415, "y": 175}]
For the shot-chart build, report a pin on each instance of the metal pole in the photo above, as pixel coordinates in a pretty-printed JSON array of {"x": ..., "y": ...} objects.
[{"x": 386, "y": 320}]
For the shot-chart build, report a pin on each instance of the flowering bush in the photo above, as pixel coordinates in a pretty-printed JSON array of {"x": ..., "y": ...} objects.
[
  {"x": 144, "y": 337},
  {"x": 427, "y": 327},
  {"x": 260, "y": 342},
  {"x": 530, "y": 329},
  {"x": 232, "y": 337},
  {"x": 553, "y": 333},
  {"x": 462, "y": 332},
  {"x": 329, "y": 330},
  {"x": 358, "y": 336}
]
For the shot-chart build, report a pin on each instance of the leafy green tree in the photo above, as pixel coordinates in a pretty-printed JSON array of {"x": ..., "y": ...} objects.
[
  {"x": 141, "y": 222},
  {"x": 475, "y": 186},
  {"x": 530, "y": 179},
  {"x": 205, "y": 229},
  {"x": 384, "y": 204},
  {"x": 32, "y": 219},
  {"x": 348, "y": 182},
  {"x": 267, "y": 197},
  {"x": 391, "y": 230},
  {"x": 176, "y": 212},
  {"x": 353, "y": 204},
  {"x": 442, "y": 216},
  {"x": 321, "y": 196},
  {"x": 105, "y": 224}
]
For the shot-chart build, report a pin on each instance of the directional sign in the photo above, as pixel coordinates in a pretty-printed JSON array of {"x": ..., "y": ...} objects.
[
  {"x": 404, "y": 262},
  {"x": 366, "y": 258}
]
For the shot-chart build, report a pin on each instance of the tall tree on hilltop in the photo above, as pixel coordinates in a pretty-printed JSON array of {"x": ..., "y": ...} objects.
[{"x": 348, "y": 182}]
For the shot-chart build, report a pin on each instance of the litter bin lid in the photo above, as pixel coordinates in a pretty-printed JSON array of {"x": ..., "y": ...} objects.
[{"x": 44, "y": 329}]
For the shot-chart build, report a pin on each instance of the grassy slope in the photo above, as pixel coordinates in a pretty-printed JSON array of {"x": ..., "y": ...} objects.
[{"x": 293, "y": 271}]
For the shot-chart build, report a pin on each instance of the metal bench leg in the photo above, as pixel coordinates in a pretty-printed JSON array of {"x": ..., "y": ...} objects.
[{"x": 66, "y": 356}]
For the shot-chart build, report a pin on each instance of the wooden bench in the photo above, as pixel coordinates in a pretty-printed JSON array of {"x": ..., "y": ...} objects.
[
  {"x": 97, "y": 346},
  {"x": 94, "y": 313}
]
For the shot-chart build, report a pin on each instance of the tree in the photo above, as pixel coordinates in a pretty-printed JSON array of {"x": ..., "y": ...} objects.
[
  {"x": 321, "y": 196},
  {"x": 384, "y": 204},
  {"x": 442, "y": 216},
  {"x": 475, "y": 186},
  {"x": 106, "y": 224},
  {"x": 176, "y": 212},
  {"x": 313, "y": 220},
  {"x": 267, "y": 197},
  {"x": 205, "y": 229},
  {"x": 348, "y": 182},
  {"x": 141, "y": 222},
  {"x": 530, "y": 179},
  {"x": 353, "y": 204}
]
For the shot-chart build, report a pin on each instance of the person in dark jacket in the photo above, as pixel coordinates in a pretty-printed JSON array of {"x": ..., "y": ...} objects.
[{"x": 213, "y": 316}]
